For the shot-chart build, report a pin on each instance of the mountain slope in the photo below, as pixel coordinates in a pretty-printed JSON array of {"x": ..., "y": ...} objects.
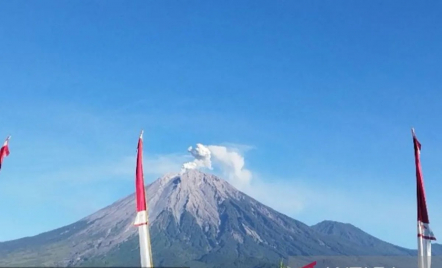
[
  {"x": 196, "y": 219},
  {"x": 358, "y": 237},
  {"x": 436, "y": 249}
]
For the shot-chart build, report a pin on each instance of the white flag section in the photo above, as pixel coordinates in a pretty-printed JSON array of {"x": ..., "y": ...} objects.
[{"x": 424, "y": 233}]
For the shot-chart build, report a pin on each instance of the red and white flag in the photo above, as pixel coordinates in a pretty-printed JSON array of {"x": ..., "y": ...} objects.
[
  {"x": 4, "y": 151},
  {"x": 141, "y": 219},
  {"x": 424, "y": 233}
]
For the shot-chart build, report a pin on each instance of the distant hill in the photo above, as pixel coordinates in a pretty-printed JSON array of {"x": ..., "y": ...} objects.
[
  {"x": 436, "y": 249},
  {"x": 354, "y": 235}
]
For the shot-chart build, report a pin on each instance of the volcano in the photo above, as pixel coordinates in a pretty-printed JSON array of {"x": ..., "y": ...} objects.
[{"x": 196, "y": 220}]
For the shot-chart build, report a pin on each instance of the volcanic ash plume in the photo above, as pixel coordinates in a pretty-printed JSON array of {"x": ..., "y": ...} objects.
[
  {"x": 202, "y": 156},
  {"x": 232, "y": 165},
  {"x": 230, "y": 162}
]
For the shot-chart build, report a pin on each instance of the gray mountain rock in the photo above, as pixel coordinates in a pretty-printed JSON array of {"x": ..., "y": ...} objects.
[{"x": 196, "y": 220}]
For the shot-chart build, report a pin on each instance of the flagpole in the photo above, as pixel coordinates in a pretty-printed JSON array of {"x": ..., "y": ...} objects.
[
  {"x": 424, "y": 233},
  {"x": 141, "y": 220},
  {"x": 420, "y": 259}
]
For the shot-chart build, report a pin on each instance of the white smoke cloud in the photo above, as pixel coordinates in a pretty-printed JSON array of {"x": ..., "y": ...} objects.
[
  {"x": 232, "y": 163},
  {"x": 229, "y": 160},
  {"x": 202, "y": 159}
]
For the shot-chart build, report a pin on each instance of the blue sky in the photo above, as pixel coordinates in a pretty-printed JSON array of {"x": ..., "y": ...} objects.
[{"x": 322, "y": 93}]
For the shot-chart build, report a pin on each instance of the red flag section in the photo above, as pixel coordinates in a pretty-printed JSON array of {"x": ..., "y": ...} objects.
[
  {"x": 310, "y": 265},
  {"x": 139, "y": 183},
  {"x": 422, "y": 213},
  {"x": 141, "y": 217},
  {"x": 424, "y": 230},
  {"x": 4, "y": 151}
]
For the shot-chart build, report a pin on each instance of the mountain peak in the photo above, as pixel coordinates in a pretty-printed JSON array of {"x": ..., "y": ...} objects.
[
  {"x": 190, "y": 177},
  {"x": 338, "y": 228},
  {"x": 333, "y": 224},
  {"x": 192, "y": 191}
]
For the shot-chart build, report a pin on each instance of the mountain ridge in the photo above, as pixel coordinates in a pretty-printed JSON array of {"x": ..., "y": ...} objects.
[{"x": 196, "y": 219}]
